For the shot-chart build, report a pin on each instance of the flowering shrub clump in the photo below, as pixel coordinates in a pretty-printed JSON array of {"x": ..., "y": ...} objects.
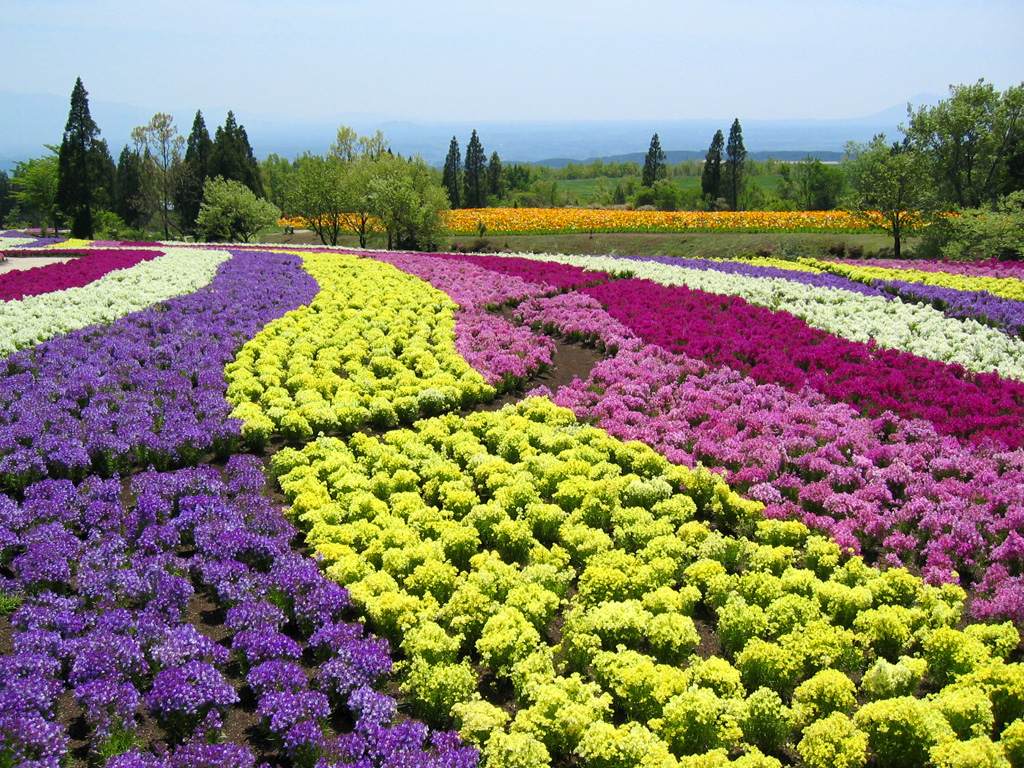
[
  {"x": 91, "y": 265},
  {"x": 34, "y": 319},
  {"x": 148, "y": 388},
  {"x": 122, "y": 645},
  {"x": 374, "y": 347},
  {"x": 563, "y": 595}
]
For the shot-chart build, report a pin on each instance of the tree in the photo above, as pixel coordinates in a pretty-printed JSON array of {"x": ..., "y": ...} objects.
[
  {"x": 891, "y": 181},
  {"x": 6, "y": 197},
  {"x": 374, "y": 147},
  {"x": 278, "y": 176},
  {"x": 811, "y": 185},
  {"x": 346, "y": 145},
  {"x": 475, "y": 175},
  {"x": 319, "y": 195},
  {"x": 231, "y": 212},
  {"x": 495, "y": 182},
  {"x": 129, "y": 189},
  {"x": 35, "y": 189},
  {"x": 711, "y": 173},
  {"x": 409, "y": 202},
  {"x": 194, "y": 172},
  {"x": 654, "y": 164},
  {"x": 161, "y": 151},
  {"x": 79, "y": 164},
  {"x": 969, "y": 139},
  {"x": 735, "y": 158},
  {"x": 232, "y": 156},
  {"x": 451, "y": 178}
]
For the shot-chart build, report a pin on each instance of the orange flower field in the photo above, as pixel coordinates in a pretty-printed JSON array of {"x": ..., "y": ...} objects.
[{"x": 465, "y": 221}]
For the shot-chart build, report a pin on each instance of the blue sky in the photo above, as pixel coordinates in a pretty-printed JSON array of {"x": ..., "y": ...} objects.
[{"x": 526, "y": 59}]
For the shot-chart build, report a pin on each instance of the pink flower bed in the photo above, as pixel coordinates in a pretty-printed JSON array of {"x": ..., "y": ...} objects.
[
  {"x": 70, "y": 274},
  {"x": 776, "y": 347}
]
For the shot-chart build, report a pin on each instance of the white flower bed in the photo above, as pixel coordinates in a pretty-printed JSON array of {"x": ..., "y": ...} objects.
[{"x": 35, "y": 319}]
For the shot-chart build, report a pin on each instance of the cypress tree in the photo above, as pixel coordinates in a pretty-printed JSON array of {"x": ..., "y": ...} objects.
[
  {"x": 78, "y": 164},
  {"x": 6, "y": 197},
  {"x": 475, "y": 184},
  {"x": 129, "y": 192},
  {"x": 654, "y": 164},
  {"x": 451, "y": 179},
  {"x": 736, "y": 156},
  {"x": 232, "y": 156},
  {"x": 494, "y": 179},
  {"x": 711, "y": 174},
  {"x": 195, "y": 170}
]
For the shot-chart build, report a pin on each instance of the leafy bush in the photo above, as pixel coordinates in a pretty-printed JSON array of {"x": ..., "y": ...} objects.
[
  {"x": 902, "y": 731},
  {"x": 696, "y": 721},
  {"x": 976, "y": 753},
  {"x": 230, "y": 212},
  {"x": 974, "y": 234},
  {"x": 766, "y": 721},
  {"x": 826, "y": 692},
  {"x": 834, "y": 742}
]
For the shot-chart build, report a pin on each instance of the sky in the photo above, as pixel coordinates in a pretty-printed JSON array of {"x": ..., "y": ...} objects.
[{"x": 530, "y": 60}]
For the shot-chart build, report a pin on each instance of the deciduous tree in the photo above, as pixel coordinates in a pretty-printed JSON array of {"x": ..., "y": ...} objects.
[
  {"x": 35, "y": 189},
  {"x": 161, "y": 147},
  {"x": 231, "y": 212},
  {"x": 892, "y": 180}
]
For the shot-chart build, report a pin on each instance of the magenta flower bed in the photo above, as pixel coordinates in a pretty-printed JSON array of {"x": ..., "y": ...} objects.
[
  {"x": 776, "y": 347},
  {"x": 891, "y": 489},
  {"x": 561, "y": 276},
  {"x": 69, "y": 274}
]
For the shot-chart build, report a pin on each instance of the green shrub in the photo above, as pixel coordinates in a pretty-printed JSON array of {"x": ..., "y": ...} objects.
[
  {"x": 1012, "y": 742},
  {"x": 901, "y": 732},
  {"x": 887, "y": 629},
  {"x": 434, "y": 689},
  {"x": 561, "y": 711},
  {"x": 885, "y": 680},
  {"x": 826, "y": 692},
  {"x": 717, "y": 675},
  {"x": 979, "y": 233},
  {"x": 967, "y": 710},
  {"x": 789, "y": 612},
  {"x": 951, "y": 653},
  {"x": 515, "y": 750},
  {"x": 1000, "y": 639},
  {"x": 624, "y": 746},
  {"x": 696, "y": 721},
  {"x": 976, "y": 753},
  {"x": 431, "y": 643},
  {"x": 765, "y": 720},
  {"x": 834, "y": 742},
  {"x": 672, "y": 636},
  {"x": 768, "y": 665},
  {"x": 739, "y": 623},
  {"x": 639, "y": 686},
  {"x": 476, "y": 720},
  {"x": 506, "y": 638}
]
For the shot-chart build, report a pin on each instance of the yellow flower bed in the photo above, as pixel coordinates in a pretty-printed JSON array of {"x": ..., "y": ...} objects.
[
  {"x": 1004, "y": 287},
  {"x": 563, "y": 597},
  {"x": 375, "y": 347}
]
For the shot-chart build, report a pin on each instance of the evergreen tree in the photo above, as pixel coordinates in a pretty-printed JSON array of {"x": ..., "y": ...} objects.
[
  {"x": 711, "y": 175},
  {"x": 451, "y": 179},
  {"x": 105, "y": 176},
  {"x": 654, "y": 164},
  {"x": 232, "y": 156},
  {"x": 475, "y": 184},
  {"x": 735, "y": 158},
  {"x": 6, "y": 197},
  {"x": 494, "y": 177},
  {"x": 196, "y": 169},
  {"x": 129, "y": 194},
  {"x": 78, "y": 163}
]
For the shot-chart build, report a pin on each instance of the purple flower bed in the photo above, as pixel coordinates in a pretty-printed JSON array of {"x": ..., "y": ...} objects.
[
  {"x": 113, "y": 579},
  {"x": 148, "y": 388},
  {"x": 892, "y": 489},
  {"x": 1005, "y": 314}
]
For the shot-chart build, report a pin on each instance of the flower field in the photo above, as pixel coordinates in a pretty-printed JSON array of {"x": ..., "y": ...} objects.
[
  {"x": 267, "y": 505},
  {"x": 516, "y": 221}
]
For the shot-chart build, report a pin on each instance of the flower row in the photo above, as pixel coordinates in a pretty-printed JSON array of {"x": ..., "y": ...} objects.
[
  {"x": 148, "y": 388},
  {"x": 561, "y": 595},
  {"x": 849, "y": 314},
  {"x": 92, "y": 265},
  {"x": 35, "y": 319},
  {"x": 1003, "y": 287},
  {"x": 120, "y": 607},
  {"x": 375, "y": 347}
]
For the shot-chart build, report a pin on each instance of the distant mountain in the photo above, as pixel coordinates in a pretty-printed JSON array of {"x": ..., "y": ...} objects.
[
  {"x": 679, "y": 155},
  {"x": 28, "y": 121}
]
